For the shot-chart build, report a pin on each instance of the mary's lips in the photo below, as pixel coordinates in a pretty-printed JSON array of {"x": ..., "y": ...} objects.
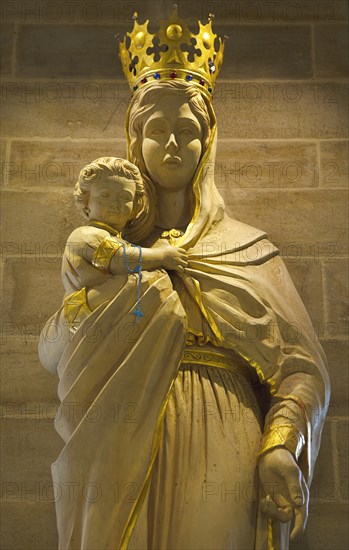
[{"x": 171, "y": 161}]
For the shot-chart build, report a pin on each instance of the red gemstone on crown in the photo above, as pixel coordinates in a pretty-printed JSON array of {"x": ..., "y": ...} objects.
[
  {"x": 144, "y": 80},
  {"x": 173, "y": 75}
]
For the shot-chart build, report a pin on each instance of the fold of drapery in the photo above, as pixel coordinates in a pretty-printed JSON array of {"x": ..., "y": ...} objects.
[
  {"x": 115, "y": 379},
  {"x": 256, "y": 311},
  {"x": 204, "y": 489},
  {"x": 98, "y": 369},
  {"x": 253, "y": 308}
]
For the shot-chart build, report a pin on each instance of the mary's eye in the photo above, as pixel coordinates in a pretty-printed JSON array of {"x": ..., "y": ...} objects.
[
  {"x": 157, "y": 132},
  {"x": 186, "y": 131}
]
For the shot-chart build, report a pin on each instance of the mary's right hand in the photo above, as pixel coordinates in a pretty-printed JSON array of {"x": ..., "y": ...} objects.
[{"x": 286, "y": 494}]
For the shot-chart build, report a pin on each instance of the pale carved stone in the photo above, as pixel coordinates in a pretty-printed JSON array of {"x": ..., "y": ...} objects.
[{"x": 169, "y": 418}]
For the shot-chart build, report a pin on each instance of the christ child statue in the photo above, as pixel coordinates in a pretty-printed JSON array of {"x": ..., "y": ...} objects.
[{"x": 110, "y": 194}]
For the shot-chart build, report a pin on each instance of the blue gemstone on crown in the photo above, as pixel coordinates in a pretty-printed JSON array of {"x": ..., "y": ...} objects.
[
  {"x": 189, "y": 77},
  {"x": 157, "y": 76}
]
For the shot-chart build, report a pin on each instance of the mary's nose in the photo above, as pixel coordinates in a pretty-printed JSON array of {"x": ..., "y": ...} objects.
[{"x": 172, "y": 143}]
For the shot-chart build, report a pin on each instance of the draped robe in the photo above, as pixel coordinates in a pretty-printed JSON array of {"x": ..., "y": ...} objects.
[{"x": 131, "y": 396}]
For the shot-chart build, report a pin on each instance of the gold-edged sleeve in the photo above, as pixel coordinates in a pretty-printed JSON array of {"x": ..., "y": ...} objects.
[
  {"x": 282, "y": 435},
  {"x": 103, "y": 254}
]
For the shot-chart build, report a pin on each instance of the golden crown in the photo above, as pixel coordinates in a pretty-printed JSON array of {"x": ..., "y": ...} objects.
[{"x": 173, "y": 52}]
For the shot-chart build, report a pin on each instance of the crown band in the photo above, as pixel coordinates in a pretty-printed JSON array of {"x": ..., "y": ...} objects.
[{"x": 172, "y": 74}]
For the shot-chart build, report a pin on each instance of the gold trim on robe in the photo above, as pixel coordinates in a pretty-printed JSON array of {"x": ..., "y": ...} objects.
[
  {"x": 282, "y": 436},
  {"x": 76, "y": 308}
]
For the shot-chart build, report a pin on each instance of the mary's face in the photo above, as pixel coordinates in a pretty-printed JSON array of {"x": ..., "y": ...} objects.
[{"x": 172, "y": 145}]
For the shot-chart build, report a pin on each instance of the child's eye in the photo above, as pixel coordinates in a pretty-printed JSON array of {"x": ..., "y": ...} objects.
[
  {"x": 126, "y": 198},
  {"x": 105, "y": 195}
]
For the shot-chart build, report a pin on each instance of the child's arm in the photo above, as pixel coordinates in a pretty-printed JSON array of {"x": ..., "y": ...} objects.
[
  {"x": 107, "y": 254},
  {"x": 166, "y": 256}
]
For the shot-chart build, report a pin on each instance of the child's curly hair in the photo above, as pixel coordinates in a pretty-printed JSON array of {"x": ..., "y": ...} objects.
[{"x": 108, "y": 166}]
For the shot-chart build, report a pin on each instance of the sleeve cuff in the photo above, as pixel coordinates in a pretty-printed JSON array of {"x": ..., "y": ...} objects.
[
  {"x": 285, "y": 436},
  {"x": 104, "y": 252}
]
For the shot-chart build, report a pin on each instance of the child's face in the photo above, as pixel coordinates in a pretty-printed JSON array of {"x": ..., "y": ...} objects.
[{"x": 111, "y": 200}]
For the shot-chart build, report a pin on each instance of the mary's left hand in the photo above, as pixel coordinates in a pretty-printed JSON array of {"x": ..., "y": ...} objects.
[{"x": 284, "y": 489}]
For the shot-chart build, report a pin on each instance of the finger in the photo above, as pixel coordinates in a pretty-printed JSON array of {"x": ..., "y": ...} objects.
[
  {"x": 280, "y": 514},
  {"x": 267, "y": 504},
  {"x": 300, "y": 520},
  {"x": 301, "y": 513},
  {"x": 295, "y": 490},
  {"x": 293, "y": 478}
]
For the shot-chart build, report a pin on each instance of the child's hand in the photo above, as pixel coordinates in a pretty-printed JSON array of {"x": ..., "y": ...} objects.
[{"x": 174, "y": 258}]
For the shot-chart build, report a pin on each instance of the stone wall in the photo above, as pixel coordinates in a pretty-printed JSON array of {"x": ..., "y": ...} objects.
[{"x": 282, "y": 166}]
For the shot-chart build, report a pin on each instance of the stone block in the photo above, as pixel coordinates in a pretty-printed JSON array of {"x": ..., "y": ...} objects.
[
  {"x": 323, "y": 486},
  {"x": 7, "y": 40},
  {"x": 261, "y": 12},
  {"x": 66, "y": 51},
  {"x": 37, "y": 223},
  {"x": 29, "y": 447},
  {"x": 23, "y": 379},
  {"x": 56, "y": 163},
  {"x": 256, "y": 52},
  {"x": 334, "y": 157},
  {"x": 3, "y": 162},
  {"x": 64, "y": 109},
  {"x": 343, "y": 449},
  {"x": 331, "y": 51},
  {"x": 30, "y": 525},
  {"x": 307, "y": 222},
  {"x": 114, "y": 13},
  {"x": 252, "y": 110},
  {"x": 300, "y": 222},
  {"x": 307, "y": 277},
  {"x": 46, "y": 12},
  {"x": 32, "y": 292},
  {"x": 266, "y": 164},
  {"x": 117, "y": 12},
  {"x": 281, "y": 110},
  {"x": 270, "y": 51},
  {"x": 336, "y": 295},
  {"x": 327, "y": 528},
  {"x": 337, "y": 354}
]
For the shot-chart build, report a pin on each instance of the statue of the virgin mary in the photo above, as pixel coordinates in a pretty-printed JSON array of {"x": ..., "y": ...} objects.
[{"x": 224, "y": 371}]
